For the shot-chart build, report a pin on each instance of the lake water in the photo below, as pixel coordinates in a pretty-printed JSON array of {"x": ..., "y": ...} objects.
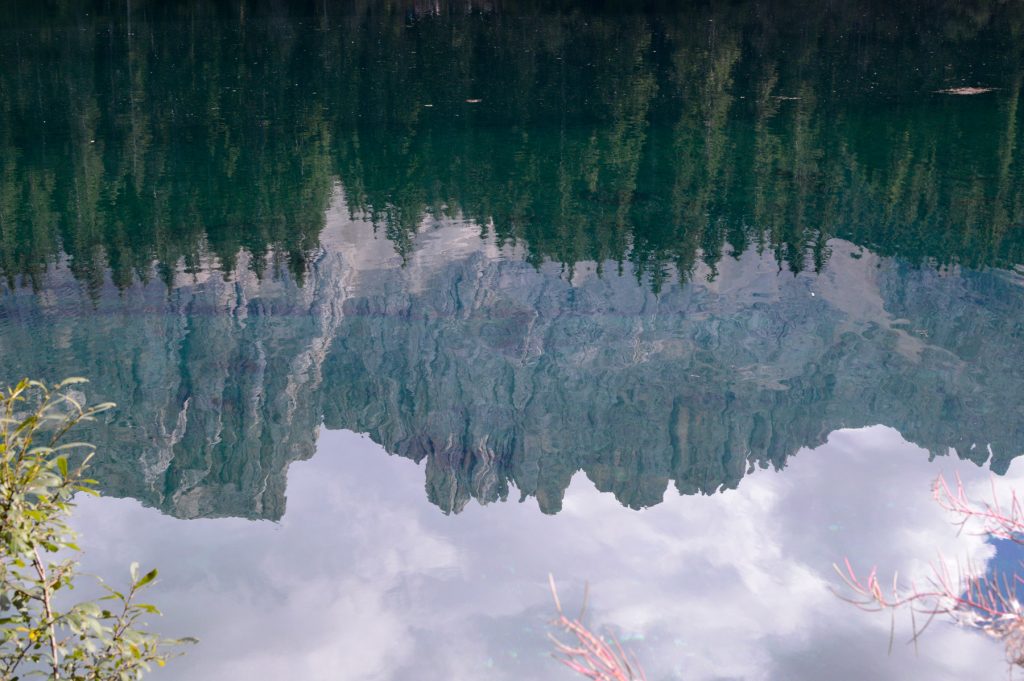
[{"x": 686, "y": 304}]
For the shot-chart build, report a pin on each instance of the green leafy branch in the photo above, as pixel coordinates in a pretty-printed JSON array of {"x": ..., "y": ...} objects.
[{"x": 39, "y": 476}]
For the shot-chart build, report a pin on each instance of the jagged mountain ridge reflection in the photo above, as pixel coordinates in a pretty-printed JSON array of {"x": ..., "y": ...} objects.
[
  {"x": 661, "y": 248},
  {"x": 499, "y": 374},
  {"x": 496, "y": 373}
]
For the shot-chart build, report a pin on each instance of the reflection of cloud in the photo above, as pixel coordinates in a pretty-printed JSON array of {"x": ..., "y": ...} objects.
[
  {"x": 317, "y": 593},
  {"x": 751, "y": 566},
  {"x": 364, "y": 580}
]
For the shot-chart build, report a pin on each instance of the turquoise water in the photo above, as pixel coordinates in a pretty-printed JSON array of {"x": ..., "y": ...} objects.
[{"x": 604, "y": 260}]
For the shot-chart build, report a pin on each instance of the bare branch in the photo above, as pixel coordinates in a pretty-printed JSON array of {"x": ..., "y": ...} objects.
[{"x": 589, "y": 654}]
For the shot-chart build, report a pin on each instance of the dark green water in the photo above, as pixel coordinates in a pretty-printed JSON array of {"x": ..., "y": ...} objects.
[
  {"x": 137, "y": 144},
  {"x": 513, "y": 241}
]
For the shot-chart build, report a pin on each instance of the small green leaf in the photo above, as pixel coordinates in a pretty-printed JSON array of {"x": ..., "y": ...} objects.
[{"x": 146, "y": 579}]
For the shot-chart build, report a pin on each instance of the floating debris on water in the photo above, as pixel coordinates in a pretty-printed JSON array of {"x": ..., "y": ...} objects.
[{"x": 965, "y": 90}]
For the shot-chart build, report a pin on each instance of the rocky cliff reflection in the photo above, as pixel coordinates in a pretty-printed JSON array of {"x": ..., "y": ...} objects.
[
  {"x": 499, "y": 374},
  {"x": 510, "y": 241}
]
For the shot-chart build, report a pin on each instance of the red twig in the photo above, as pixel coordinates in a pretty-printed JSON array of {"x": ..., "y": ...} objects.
[
  {"x": 997, "y": 519},
  {"x": 590, "y": 655},
  {"x": 987, "y": 602}
]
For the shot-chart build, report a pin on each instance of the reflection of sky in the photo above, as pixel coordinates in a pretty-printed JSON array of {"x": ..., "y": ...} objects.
[
  {"x": 364, "y": 579},
  {"x": 1007, "y": 561}
]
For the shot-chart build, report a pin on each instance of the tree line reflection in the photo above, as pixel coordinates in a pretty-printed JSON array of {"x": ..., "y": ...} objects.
[{"x": 139, "y": 143}]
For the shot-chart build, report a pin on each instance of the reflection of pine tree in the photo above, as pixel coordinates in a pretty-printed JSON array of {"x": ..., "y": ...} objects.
[
  {"x": 163, "y": 148},
  {"x": 664, "y": 140}
]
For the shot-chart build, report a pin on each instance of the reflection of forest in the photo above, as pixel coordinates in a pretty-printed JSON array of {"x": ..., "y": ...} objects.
[{"x": 608, "y": 136}]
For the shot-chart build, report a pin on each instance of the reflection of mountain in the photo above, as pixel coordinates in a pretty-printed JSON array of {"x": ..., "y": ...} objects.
[
  {"x": 163, "y": 187},
  {"x": 495, "y": 372},
  {"x": 214, "y": 380}
]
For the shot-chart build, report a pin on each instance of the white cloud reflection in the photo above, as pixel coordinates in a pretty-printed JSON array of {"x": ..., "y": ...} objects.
[{"x": 363, "y": 579}]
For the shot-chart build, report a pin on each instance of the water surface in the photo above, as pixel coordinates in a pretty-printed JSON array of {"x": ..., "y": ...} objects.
[{"x": 604, "y": 260}]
